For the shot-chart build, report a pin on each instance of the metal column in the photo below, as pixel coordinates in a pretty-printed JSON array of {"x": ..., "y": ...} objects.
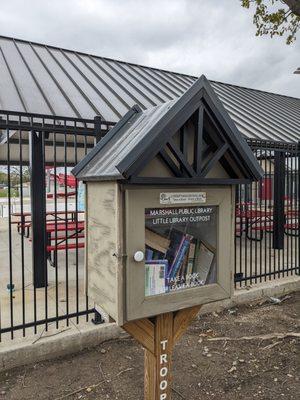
[
  {"x": 38, "y": 209},
  {"x": 279, "y": 192},
  {"x": 297, "y": 168}
]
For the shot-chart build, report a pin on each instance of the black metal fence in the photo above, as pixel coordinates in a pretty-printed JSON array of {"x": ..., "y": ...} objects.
[
  {"x": 267, "y": 217},
  {"x": 42, "y": 223}
]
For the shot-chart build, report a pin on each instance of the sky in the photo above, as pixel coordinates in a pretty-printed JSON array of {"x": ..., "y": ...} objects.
[{"x": 211, "y": 37}]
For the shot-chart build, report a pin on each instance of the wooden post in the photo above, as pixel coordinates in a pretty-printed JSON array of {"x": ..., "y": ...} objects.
[{"x": 158, "y": 336}]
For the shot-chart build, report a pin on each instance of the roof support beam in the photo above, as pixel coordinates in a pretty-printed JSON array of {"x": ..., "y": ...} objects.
[
  {"x": 170, "y": 163},
  {"x": 184, "y": 141},
  {"x": 198, "y": 141},
  {"x": 178, "y": 154},
  {"x": 215, "y": 158}
]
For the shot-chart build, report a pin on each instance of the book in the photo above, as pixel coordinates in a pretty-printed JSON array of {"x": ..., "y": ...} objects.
[
  {"x": 156, "y": 241},
  {"x": 179, "y": 258},
  {"x": 149, "y": 254},
  {"x": 191, "y": 258},
  {"x": 155, "y": 277},
  {"x": 203, "y": 261},
  {"x": 182, "y": 271},
  {"x": 176, "y": 243}
]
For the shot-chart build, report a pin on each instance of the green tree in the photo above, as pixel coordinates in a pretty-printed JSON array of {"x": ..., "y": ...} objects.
[
  {"x": 15, "y": 175},
  {"x": 276, "y": 17}
]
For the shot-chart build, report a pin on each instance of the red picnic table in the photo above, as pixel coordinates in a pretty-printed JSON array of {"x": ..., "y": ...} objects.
[
  {"x": 60, "y": 195},
  {"x": 259, "y": 220},
  {"x": 73, "y": 231},
  {"x": 24, "y": 222}
]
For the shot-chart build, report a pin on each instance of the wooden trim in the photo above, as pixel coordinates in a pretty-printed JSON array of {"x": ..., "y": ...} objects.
[
  {"x": 165, "y": 330},
  {"x": 163, "y": 348},
  {"x": 137, "y": 304},
  {"x": 143, "y": 331},
  {"x": 182, "y": 320},
  {"x": 149, "y": 375}
]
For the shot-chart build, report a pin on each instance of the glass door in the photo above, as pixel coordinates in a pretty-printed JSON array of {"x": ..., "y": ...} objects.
[{"x": 180, "y": 248}]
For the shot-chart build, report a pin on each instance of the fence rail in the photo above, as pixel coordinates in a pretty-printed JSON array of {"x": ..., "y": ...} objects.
[{"x": 42, "y": 223}]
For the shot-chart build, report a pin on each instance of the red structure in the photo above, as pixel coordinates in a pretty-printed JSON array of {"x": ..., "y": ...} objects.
[{"x": 266, "y": 189}]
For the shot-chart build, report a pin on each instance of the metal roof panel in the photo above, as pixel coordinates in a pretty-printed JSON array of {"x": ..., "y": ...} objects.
[{"x": 44, "y": 79}]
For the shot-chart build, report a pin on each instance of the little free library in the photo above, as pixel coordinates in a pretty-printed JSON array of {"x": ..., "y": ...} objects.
[{"x": 160, "y": 201}]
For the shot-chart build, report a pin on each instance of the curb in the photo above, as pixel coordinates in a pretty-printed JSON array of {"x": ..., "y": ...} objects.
[{"x": 62, "y": 343}]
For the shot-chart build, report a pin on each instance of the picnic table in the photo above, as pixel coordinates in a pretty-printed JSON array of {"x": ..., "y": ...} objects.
[
  {"x": 63, "y": 230},
  {"x": 61, "y": 195},
  {"x": 23, "y": 221},
  {"x": 261, "y": 220},
  {"x": 71, "y": 231}
]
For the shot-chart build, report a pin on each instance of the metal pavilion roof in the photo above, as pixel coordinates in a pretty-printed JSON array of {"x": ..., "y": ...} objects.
[{"x": 38, "y": 78}]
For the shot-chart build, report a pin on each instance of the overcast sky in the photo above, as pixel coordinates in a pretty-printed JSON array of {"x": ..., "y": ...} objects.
[{"x": 213, "y": 37}]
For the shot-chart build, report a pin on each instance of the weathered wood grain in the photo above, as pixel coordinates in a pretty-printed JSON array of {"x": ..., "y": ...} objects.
[
  {"x": 183, "y": 319},
  {"x": 103, "y": 246},
  {"x": 158, "y": 337},
  {"x": 143, "y": 332}
]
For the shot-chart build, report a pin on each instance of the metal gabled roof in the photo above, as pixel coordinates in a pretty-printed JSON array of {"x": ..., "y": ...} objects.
[
  {"x": 121, "y": 140},
  {"x": 37, "y": 78},
  {"x": 140, "y": 135}
]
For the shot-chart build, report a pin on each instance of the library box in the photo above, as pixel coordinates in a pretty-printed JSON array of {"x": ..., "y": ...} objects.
[{"x": 160, "y": 204}]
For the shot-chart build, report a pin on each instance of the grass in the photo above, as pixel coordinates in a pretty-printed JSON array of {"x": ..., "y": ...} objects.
[{"x": 13, "y": 193}]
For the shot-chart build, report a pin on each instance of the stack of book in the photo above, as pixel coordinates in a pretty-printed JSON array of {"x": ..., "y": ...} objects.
[
  {"x": 156, "y": 267},
  {"x": 175, "y": 259}
]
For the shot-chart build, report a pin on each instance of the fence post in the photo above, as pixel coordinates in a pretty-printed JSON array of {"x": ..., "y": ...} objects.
[
  {"x": 38, "y": 209},
  {"x": 279, "y": 192},
  {"x": 297, "y": 170}
]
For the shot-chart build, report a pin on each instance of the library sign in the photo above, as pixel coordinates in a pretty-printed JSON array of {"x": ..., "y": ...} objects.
[
  {"x": 182, "y": 198},
  {"x": 179, "y": 215}
]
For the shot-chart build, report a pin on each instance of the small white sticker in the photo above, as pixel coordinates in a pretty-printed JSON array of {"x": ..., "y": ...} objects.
[{"x": 183, "y": 198}]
